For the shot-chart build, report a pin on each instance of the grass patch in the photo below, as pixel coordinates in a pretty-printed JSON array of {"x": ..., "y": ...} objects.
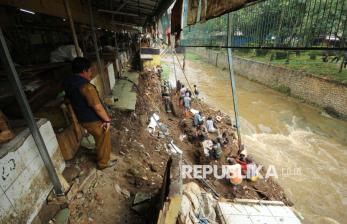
[
  {"x": 192, "y": 56},
  {"x": 166, "y": 71},
  {"x": 305, "y": 61},
  {"x": 283, "y": 89}
]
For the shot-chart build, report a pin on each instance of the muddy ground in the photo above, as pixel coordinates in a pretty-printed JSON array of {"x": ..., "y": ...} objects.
[{"x": 108, "y": 195}]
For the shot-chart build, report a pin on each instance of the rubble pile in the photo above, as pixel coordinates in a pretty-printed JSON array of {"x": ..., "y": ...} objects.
[
  {"x": 197, "y": 205},
  {"x": 108, "y": 196}
]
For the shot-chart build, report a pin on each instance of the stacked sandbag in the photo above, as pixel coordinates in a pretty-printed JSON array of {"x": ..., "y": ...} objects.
[{"x": 197, "y": 206}]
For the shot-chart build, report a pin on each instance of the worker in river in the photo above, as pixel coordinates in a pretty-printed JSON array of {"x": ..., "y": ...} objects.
[
  {"x": 186, "y": 103},
  {"x": 89, "y": 110},
  {"x": 178, "y": 86},
  {"x": 182, "y": 94},
  {"x": 211, "y": 127},
  {"x": 196, "y": 92}
]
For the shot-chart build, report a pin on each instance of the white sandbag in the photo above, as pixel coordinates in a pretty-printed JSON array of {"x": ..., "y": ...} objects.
[
  {"x": 207, "y": 145},
  {"x": 153, "y": 123},
  {"x": 64, "y": 53},
  {"x": 174, "y": 148},
  {"x": 193, "y": 111}
]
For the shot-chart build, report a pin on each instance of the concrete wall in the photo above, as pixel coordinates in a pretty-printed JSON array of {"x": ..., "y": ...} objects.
[
  {"x": 25, "y": 183},
  {"x": 109, "y": 74},
  {"x": 315, "y": 90}
]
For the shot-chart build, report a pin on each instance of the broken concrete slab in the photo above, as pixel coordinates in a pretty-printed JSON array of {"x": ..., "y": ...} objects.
[
  {"x": 126, "y": 193},
  {"x": 88, "y": 180},
  {"x": 133, "y": 76},
  {"x": 141, "y": 197},
  {"x": 142, "y": 202},
  {"x": 71, "y": 173},
  {"x": 73, "y": 191},
  {"x": 124, "y": 93},
  {"x": 119, "y": 190}
]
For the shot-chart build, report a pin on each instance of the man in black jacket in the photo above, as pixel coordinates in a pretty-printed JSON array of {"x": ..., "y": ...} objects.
[{"x": 90, "y": 112}]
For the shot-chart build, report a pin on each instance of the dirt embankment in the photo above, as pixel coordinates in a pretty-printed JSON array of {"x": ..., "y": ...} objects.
[{"x": 142, "y": 157}]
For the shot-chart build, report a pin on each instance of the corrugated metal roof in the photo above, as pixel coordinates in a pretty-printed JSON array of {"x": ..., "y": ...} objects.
[{"x": 132, "y": 11}]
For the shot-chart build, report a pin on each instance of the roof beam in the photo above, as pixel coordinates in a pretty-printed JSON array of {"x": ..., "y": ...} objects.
[
  {"x": 118, "y": 13},
  {"x": 162, "y": 7},
  {"x": 56, "y": 8},
  {"x": 121, "y": 6}
]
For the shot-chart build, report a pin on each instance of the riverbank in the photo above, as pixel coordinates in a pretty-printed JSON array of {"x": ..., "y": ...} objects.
[
  {"x": 327, "y": 94},
  {"x": 108, "y": 195}
]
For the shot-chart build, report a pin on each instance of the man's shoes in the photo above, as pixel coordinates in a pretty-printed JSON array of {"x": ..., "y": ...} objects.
[{"x": 110, "y": 163}]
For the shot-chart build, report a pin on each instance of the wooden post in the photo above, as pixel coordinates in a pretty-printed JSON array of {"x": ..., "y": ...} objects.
[
  {"x": 72, "y": 26},
  {"x": 100, "y": 67}
]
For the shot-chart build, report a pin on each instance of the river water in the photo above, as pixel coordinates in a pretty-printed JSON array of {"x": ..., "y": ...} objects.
[{"x": 307, "y": 147}]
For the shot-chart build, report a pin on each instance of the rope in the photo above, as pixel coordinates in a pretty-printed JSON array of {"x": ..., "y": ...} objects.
[
  {"x": 190, "y": 87},
  {"x": 184, "y": 74}
]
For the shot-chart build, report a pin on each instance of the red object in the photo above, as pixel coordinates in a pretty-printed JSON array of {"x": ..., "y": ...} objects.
[
  {"x": 243, "y": 167},
  {"x": 168, "y": 35}
]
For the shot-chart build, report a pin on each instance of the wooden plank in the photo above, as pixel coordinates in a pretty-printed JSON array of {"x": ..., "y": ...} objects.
[
  {"x": 68, "y": 142},
  {"x": 77, "y": 128},
  {"x": 6, "y": 133}
]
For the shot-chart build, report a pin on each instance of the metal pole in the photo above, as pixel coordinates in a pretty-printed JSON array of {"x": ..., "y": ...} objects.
[
  {"x": 72, "y": 26},
  {"x": 233, "y": 82},
  {"x": 101, "y": 71},
  {"x": 184, "y": 59},
  {"x": 117, "y": 55},
  {"x": 28, "y": 115}
]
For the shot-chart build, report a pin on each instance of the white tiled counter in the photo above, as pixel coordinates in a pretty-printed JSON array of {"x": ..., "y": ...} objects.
[{"x": 24, "y": 181}]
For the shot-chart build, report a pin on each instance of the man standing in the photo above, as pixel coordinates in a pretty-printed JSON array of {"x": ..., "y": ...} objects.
[
  {"x": 196, "y": 91},
  {"x": 90, "y": 112},
  {"x": 186, "y": 103}
]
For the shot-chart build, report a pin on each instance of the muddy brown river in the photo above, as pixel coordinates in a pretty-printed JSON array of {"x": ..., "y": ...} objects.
[{"x": 307, "y": 147}]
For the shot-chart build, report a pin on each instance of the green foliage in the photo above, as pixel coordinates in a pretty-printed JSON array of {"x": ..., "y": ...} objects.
[
  {"x": 302, "y": 62},
  {"x": 313, "y": 56},
  {"x": 260, "y": 52},
  {"x": 283, "y": 89},
  {"x": 276, "y": 23},
  {"x": 244, "y": 50},
  {"x": 166, "y": 71},
  {"x": 281, "y": 55}
]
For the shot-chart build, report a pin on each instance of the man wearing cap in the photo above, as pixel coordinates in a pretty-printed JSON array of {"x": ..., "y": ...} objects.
[{"x": 90, "y": 112}]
